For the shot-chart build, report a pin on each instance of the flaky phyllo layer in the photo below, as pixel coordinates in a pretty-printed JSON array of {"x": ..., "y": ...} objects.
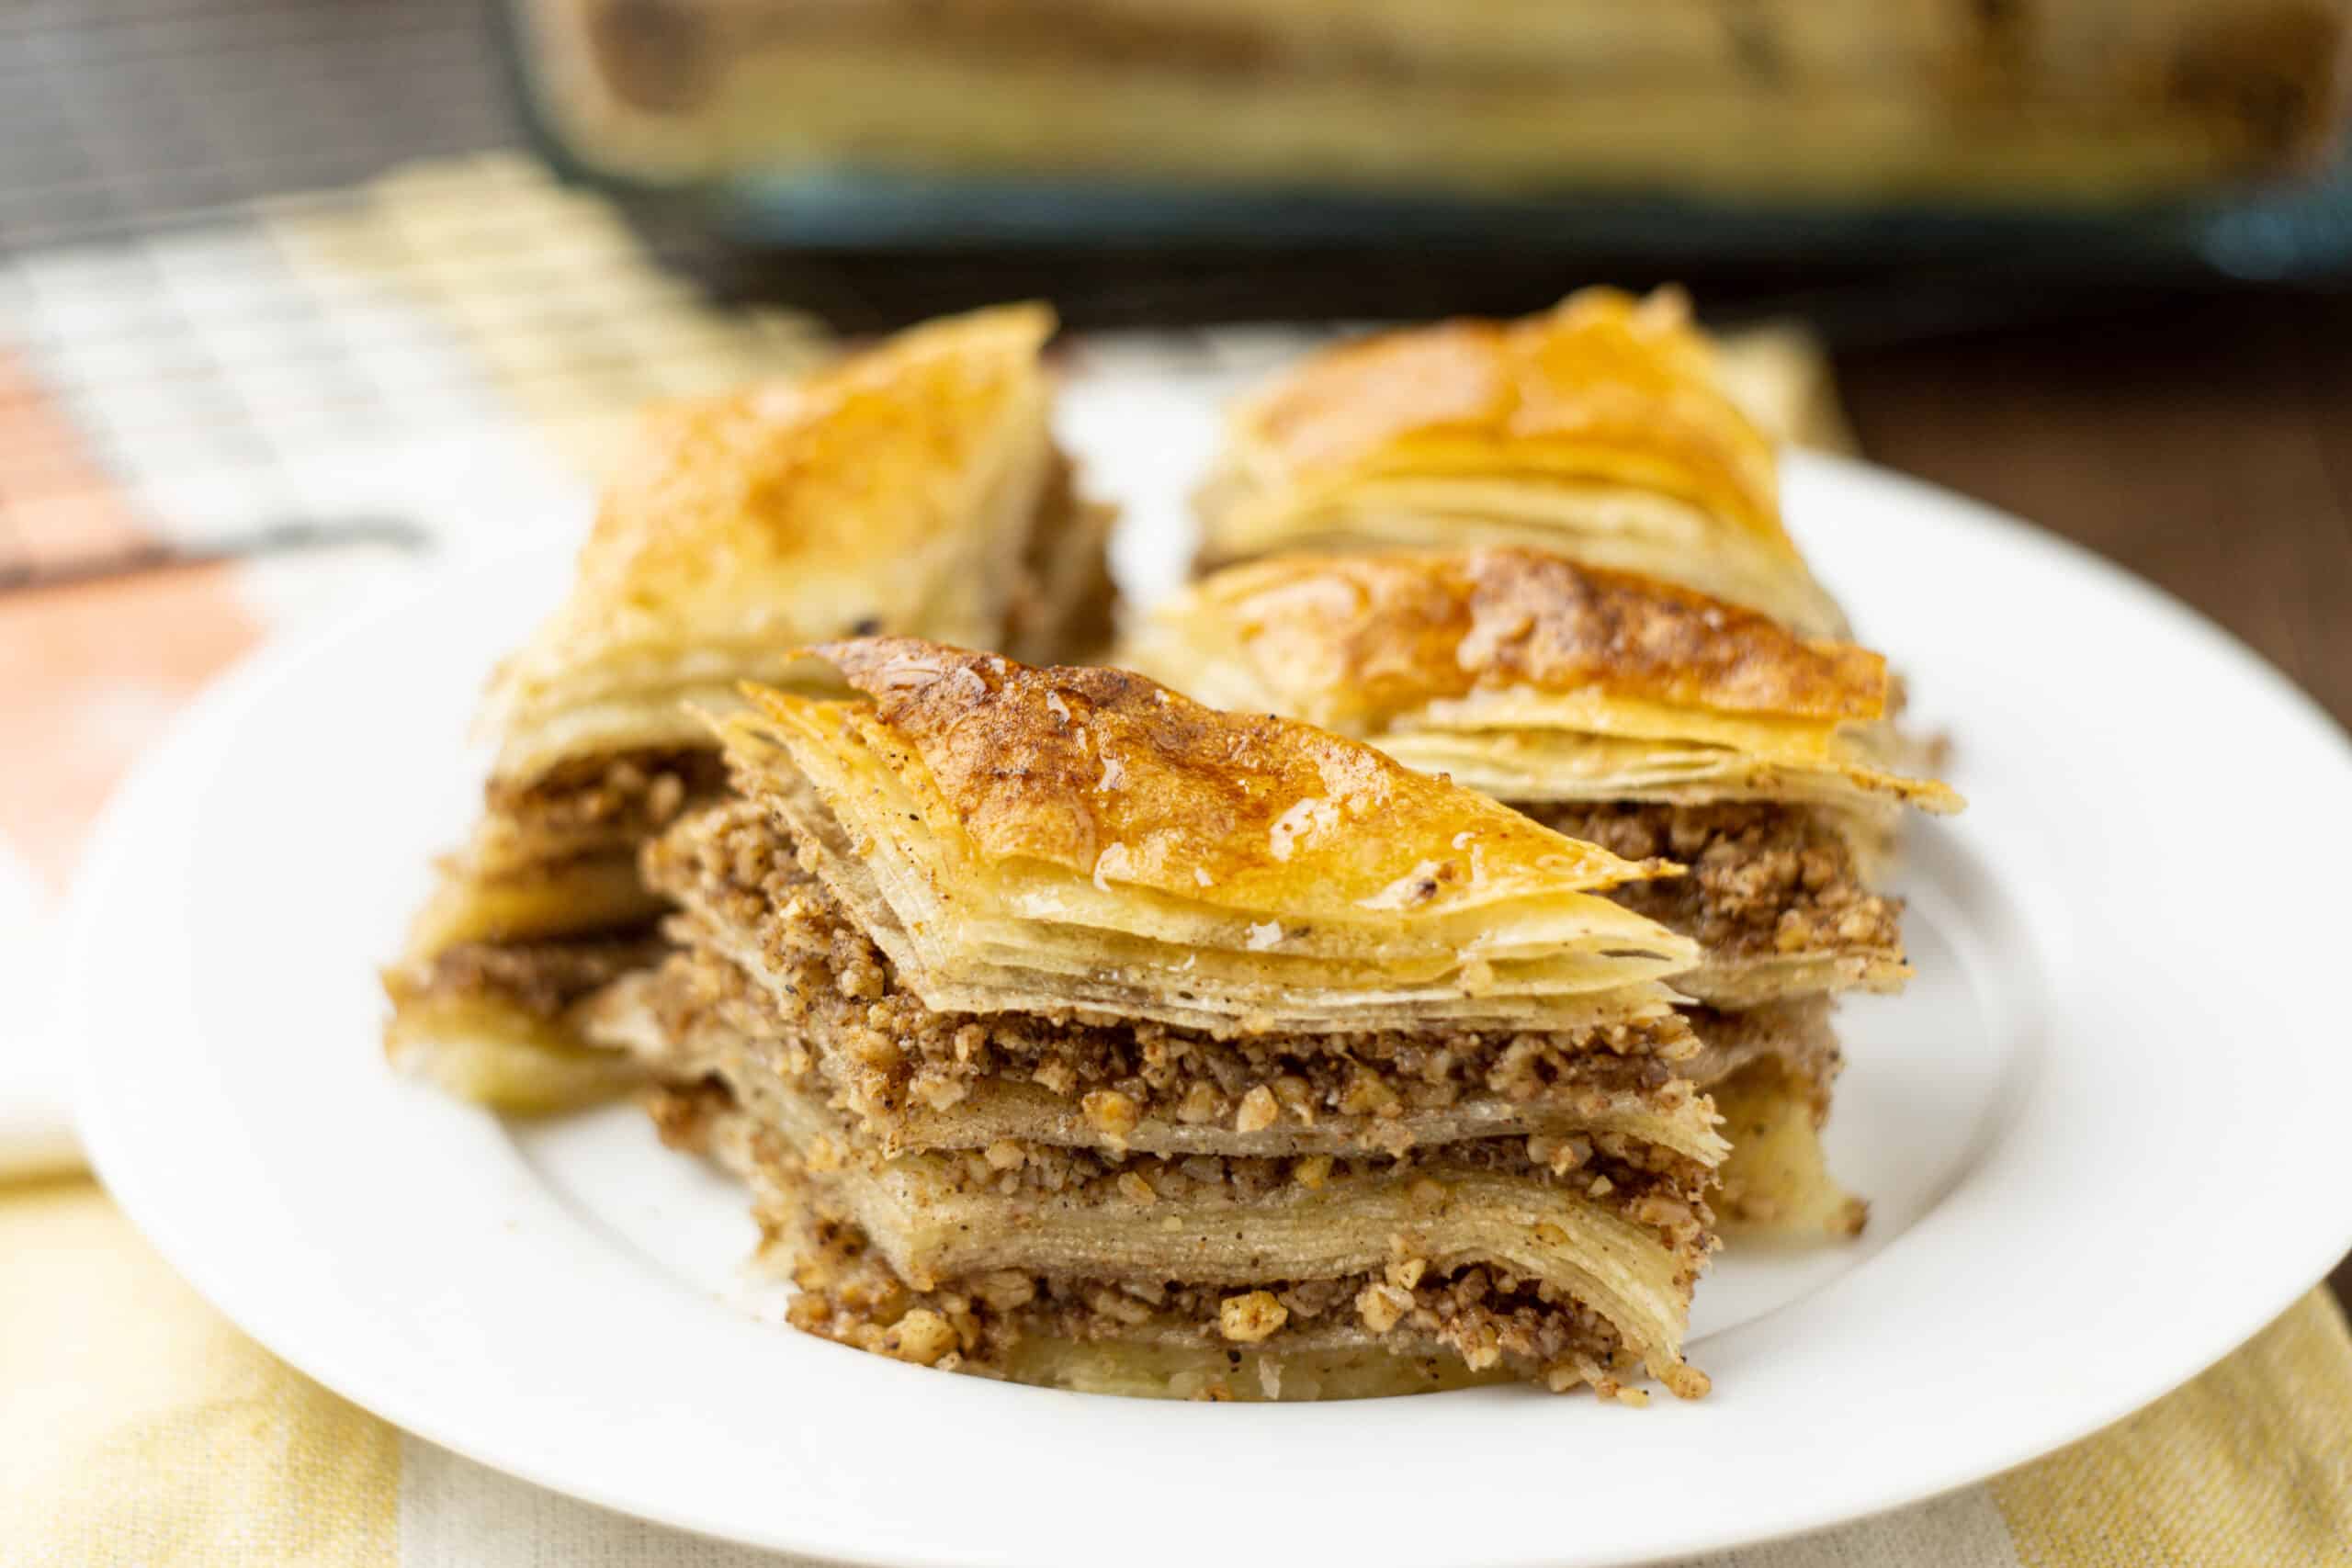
[
  {"x": 1167, "y": 1284},
  {"x": 769, "y": 954},
  {"x": 1018, "y": 839},
  {"x": 1055, "y": 1015},
  {"x": 1646, "y": 719},
  {"x": 1599, "y": 430},
  {"x": 1545, "y": 679},
  {"x": 1618, "y": 708},
  {"x": 914, "y": 487},
  {"x": 899, "y": 490}
]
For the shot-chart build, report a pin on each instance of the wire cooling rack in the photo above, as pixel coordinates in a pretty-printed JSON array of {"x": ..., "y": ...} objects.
[
  {"x": 195, "y": 365},
  {"x": 155, "y": 334},
  {"x": 119, "y": 115}
]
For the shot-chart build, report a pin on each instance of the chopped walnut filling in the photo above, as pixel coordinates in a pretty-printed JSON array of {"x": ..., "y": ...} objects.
[
  {"x": 1246, "y": 1319},
  {"x": 828, "y": 1032},
  {"x": 1762, "y": 879},
  {"x": 541, "y": 978},
  {"x": 1652, "y": 1186},
  {"x": 767, "y": 1071},
  {"x": 1485, "y": 1317},
  {"x": 737, "y": 867},
  {"x": 636, "y": 793}
]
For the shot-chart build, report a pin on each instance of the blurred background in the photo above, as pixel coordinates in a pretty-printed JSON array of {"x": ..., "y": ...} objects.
[{"x": 297, "y": 295}]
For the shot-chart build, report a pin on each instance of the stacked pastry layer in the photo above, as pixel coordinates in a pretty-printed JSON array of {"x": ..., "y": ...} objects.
[
  {"x": 1071, "y": 1032},
  {"x": 1600, "y": 429},
  {"x": 914, "y": 487},
  {"x": 1646, "y": 719}
]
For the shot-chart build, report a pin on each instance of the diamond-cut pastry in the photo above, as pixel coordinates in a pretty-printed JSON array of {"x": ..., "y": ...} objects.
[
  {"x": 1073, "y": 1031},
  {"x": 914, "y": 487},
  {"x": 1639, "y": 715}
]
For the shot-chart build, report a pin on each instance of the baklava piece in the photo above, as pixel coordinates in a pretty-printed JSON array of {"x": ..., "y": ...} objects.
[
  {"x": 1070, "y": 1031},
  {"x": 914, "y": 487},
  {"x": 1599, "y": 430},
  {"x": 1643, "y": 717}
]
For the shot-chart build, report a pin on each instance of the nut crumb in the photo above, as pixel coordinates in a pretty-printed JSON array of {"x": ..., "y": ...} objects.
[
  {"x": 1382, "y": 1307},
  {"x": 921, "y": 1337},
  {"x": 1201, "y": 1104},
  {"x": 1113, "y": 1114},
  {"x": 1259, "y": 1110},
  {"x": 1246, "y": 1319}
]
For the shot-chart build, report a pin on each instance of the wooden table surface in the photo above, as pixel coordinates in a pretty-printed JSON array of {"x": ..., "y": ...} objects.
[{"x": 2206, "y": 444}]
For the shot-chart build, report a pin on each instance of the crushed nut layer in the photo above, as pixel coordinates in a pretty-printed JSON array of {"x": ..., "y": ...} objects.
[
  {"x": 828, "y": 1023},
  {"x": 1763, "y": 878},
  {"x": 1485, "y": 1317},
  {"x": 737, "y": 867},
  {"x": 543, "y": 978},
  {"x": 1649, "y": 1184},
  {"x": 634, "y": 792}
]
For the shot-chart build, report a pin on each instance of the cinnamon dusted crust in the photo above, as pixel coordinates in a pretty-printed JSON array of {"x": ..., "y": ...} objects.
[
  {"x": 738, "y": 871},
  {"x": 1091, "y": 769},
  {"x": 1352, "y": 640},
  {"x": 1763, "y": 879},
  {"x": 542, "y": 980}
]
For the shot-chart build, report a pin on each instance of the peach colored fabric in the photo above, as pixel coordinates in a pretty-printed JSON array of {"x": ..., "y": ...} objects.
[{"x": 88, "y": 674}]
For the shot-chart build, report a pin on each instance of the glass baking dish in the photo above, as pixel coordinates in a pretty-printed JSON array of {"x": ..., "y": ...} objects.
[{"x": 2146, "y": 136}]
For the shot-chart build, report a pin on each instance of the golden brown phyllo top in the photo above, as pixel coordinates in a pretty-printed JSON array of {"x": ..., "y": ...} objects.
[
  {"x": 1532, "y": 677},
  {"x": 1599, "y": 427},
  {"x": 899, "y": 489},
  {"x": 912, "y": 486},
  {"x": 1048, "y": 839}
]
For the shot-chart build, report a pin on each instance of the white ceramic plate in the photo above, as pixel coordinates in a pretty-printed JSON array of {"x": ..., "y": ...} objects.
[{"x": 2102, "y": 1132}]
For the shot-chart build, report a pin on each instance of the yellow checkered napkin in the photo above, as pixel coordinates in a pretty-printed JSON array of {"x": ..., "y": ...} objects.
[{"x": 138, "y": 1427}]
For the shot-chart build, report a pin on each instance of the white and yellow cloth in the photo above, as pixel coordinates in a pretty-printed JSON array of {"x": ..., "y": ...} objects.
[{"x": 136, "y": 1426}]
